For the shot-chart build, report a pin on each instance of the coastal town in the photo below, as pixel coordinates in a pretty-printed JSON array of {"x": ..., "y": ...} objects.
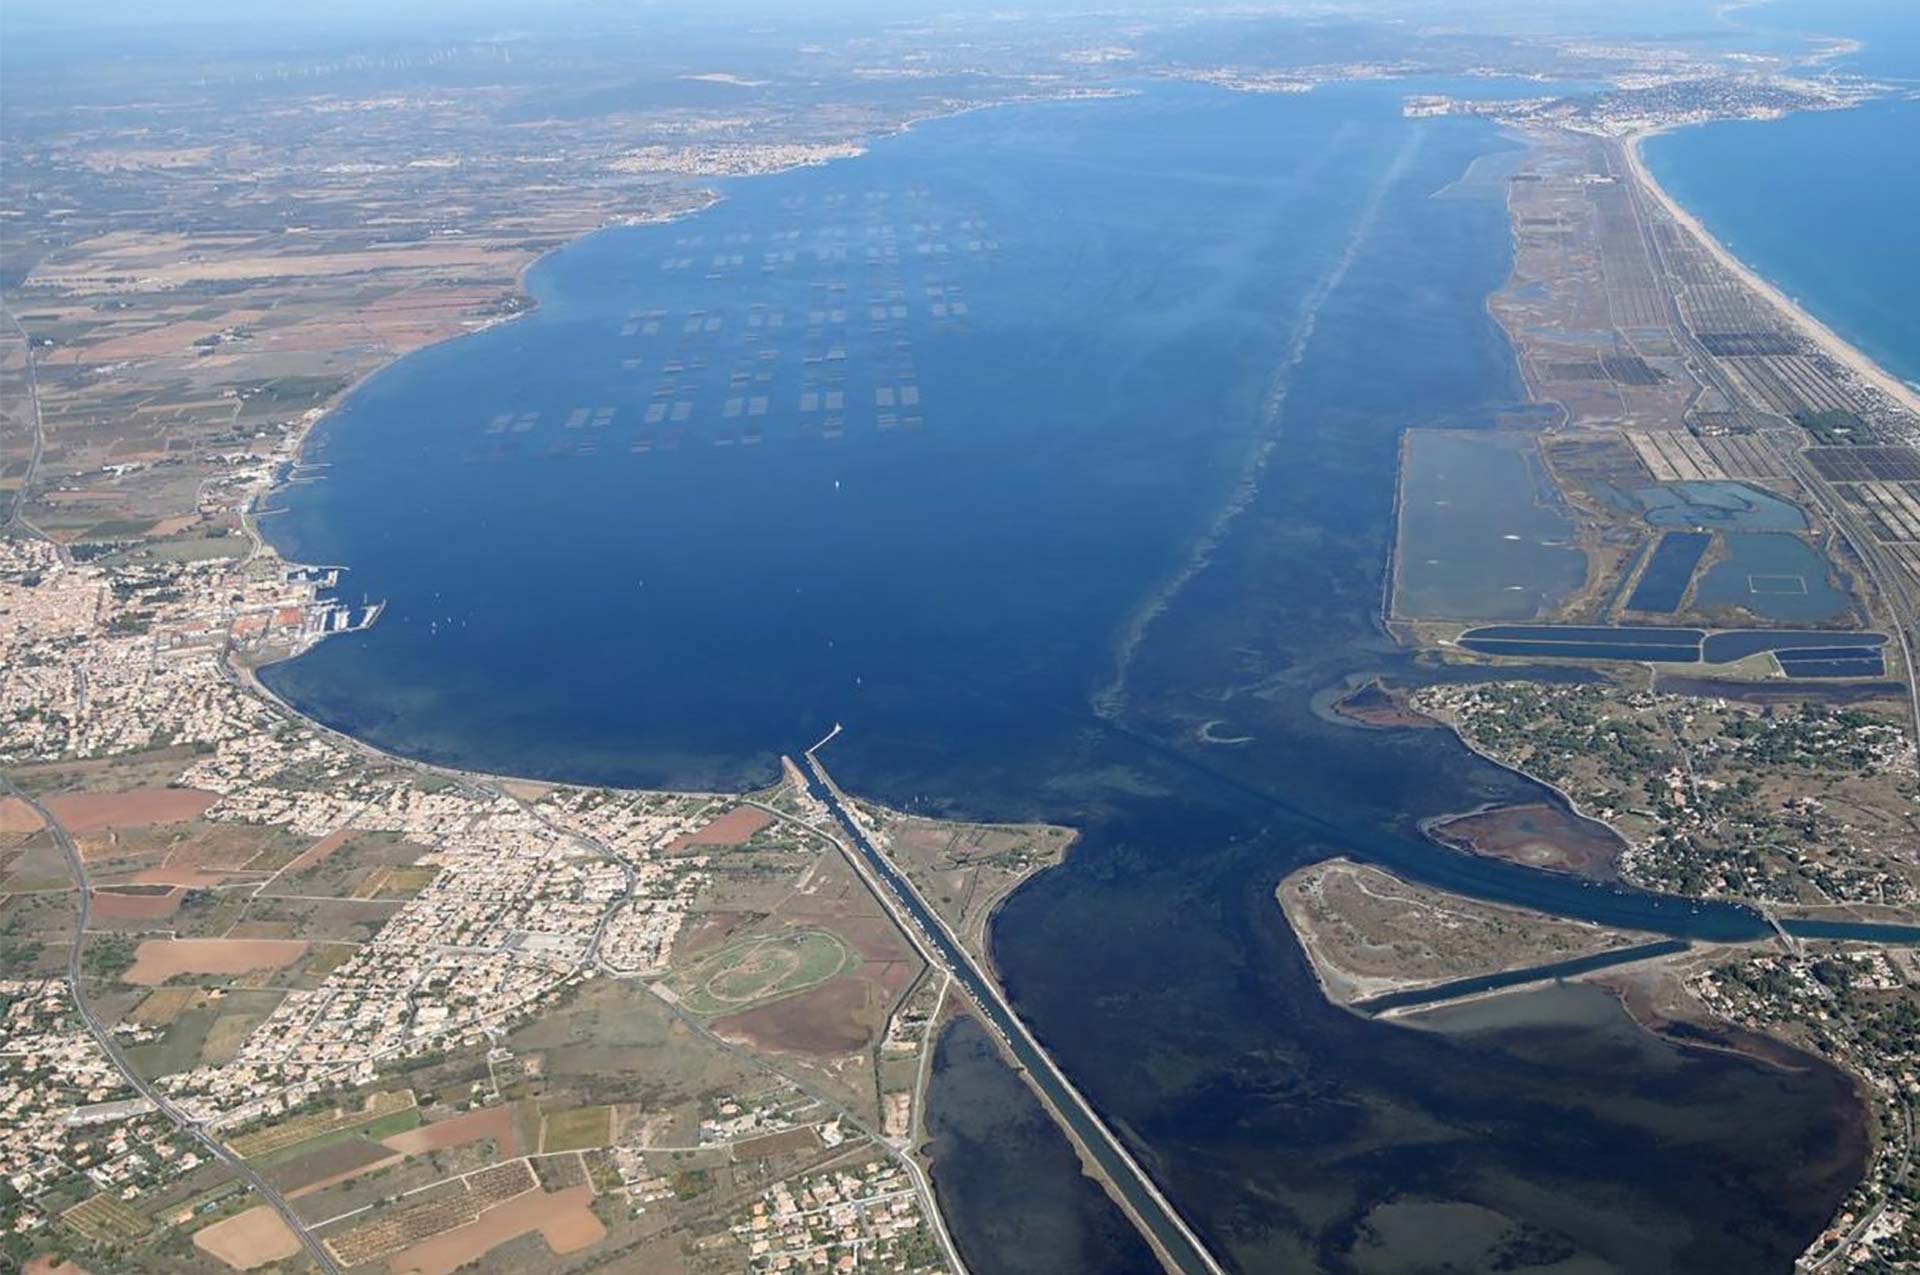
[
  {"x": 70, "y": 1111},
  {"x": 478, "y": 907},
  {"x": 1858, "y": 1007},
  {"x": 861, "y": 1217},
  {"x": 1800, "y": 806},
  {"x": 284, "y": 934},
  {"x": 1672, "y": 100},
  {"x": 272, "y": 1000}
]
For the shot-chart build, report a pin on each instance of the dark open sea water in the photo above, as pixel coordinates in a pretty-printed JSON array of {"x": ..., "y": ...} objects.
[{"x": 1029, "y": 446}]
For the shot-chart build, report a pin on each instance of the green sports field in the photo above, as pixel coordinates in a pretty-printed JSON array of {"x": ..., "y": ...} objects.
[{"x": 764, "y": 968}]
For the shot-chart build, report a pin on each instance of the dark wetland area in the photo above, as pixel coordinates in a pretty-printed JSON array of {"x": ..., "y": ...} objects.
[
  {"x": 1071, "y": 451},
  {"x": 1663, "y": 582}
]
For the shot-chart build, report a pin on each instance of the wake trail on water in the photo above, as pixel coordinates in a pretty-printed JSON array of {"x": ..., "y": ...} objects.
[{"x": 1108, "y": 701}]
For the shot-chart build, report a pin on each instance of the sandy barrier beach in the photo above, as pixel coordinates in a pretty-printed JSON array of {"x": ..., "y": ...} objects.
[{"x": 1829, "y": 341}]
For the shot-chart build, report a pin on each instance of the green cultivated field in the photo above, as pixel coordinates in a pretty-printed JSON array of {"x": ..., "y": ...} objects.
[
  {"x": 581, "y": 1129},
  {"x": 105, "y": 1220},
  {"x": 764, "y": 968},
  {"x": 382, "y": 1116}
]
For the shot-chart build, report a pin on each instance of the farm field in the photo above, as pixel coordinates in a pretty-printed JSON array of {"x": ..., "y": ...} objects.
[
  {"x": 564, "y": 1220},
  {"x": 249, "y": 1240},
  {"x": 289, "y": 1134},
  {"x": 104, "y": 1220},
  {"x": 496, "y": 1123},
  {"x": 418, "y": 1223},
  {"x": 158, "y": 960},
  {"x": 580, "y": 1129}
]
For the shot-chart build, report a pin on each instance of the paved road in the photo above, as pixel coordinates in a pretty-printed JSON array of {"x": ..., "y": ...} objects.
[
  {"x": 903, "y": 1153},
  {"x": 1872, "y": 1215},
  {"x": 38, "y": 433},
  {"x": 186, "y": 1123},
  {"x": 1177, "y": 1243},
  {"x": 1887, "y": 577}
]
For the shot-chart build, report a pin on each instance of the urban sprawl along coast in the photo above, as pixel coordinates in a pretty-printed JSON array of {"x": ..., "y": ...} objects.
[{"x": 272, "y": 998}]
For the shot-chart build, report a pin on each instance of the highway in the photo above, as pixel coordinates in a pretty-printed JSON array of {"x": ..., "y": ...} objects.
[
  {"x": 1175, "y": 1241},
  {"x": 187, "y": 1124}
]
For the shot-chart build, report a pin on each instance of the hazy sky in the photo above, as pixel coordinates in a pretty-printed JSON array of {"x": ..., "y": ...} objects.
[
  {"x": 466, "y": 16},
  {"x": 133, "y": 27}
]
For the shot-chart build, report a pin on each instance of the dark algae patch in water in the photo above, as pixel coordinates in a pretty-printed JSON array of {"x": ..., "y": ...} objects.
[
  {"x": 1729, "y": 506},
  {"x": 1010, "y": 1182},
  {"x": 1154, "y": 470}
]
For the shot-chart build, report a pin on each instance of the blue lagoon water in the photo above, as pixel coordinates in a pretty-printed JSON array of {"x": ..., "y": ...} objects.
[
  {"x": 1084, "y": 315},
  {"x": 1161, "y": 352},
  {"x": 1663, "y": 583},
  {"x": 1888, "y": 31},
  {"x": 1731, "y": 506},
  {"x": 1482, "y": 530},
  {"x": 1775, "y": 577}
]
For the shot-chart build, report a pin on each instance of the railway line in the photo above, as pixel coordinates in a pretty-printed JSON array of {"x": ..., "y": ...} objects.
[{"x": 1787, "y": 442}]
